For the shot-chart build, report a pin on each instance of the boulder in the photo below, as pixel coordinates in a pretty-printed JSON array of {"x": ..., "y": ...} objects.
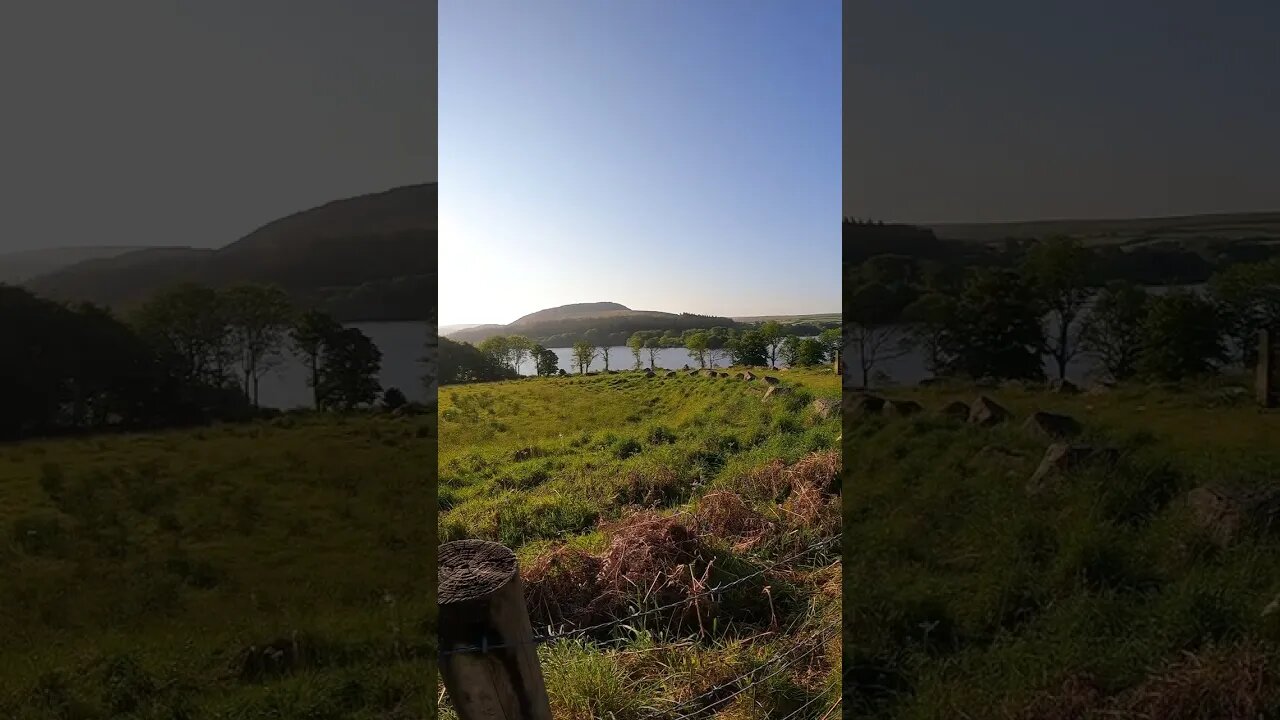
[
  {"x": 1225, "y": 512},
  {"x": 986, "y": 412},
  {"x": 649, "y": 373},
  {"x": 711, "y": 373},
  {"x": 1053, "y": 426},
  {"x": 771, "y": 380},
  {"x": 671, "y": 373},
  {"x": 693, "y": 373},
  {"x": 748, "y": 376},
  {"x": 1063, "y": 458},
  {"x": 825, "y": 408},
  {"x": 724, "y": 374},
  {"x": 956, "y": 410},
  {"x": 862, "y": 404},
  {"x": 776, "y": 390},
  {"x": 902, "y": 408}
]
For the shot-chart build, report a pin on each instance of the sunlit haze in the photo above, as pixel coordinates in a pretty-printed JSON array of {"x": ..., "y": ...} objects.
[{"x": 682, "y": 157}]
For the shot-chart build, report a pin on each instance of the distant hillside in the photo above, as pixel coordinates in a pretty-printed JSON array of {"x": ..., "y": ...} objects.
[
  {"x": 17, "y": 267},
  {"x": 1221, "y": 226},
  {"x": 370, "y": 257},
  {"x": 602, "y": 323}
]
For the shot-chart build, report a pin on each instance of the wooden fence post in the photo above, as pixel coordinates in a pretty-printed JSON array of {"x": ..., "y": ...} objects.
[
  {"x": 488, "y": 661},
  {"x": 1268, "y": 371}
]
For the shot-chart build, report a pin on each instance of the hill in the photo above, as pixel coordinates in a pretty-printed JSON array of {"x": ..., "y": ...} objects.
[
  {"x": 1119, "y": 231},
  {"x": 17, "y": 267},
  {"x": 370, "y": 257},
  {"x": 600, "y": 322}
]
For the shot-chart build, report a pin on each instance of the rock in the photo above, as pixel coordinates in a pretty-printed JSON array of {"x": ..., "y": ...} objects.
[
  {"x": 693, "y": 373},
  {"x": 825, "y": 407},
  {"x": 1225, "y": 512},
  {"x": 1053, "y": 426},
  {"x": 724, "y": 374},
  {"x": 649, "y": 373},
  {"x": 1063, "y": 387},
  {"x": 748, "y": 376},
  {"x": 711, "y": 373},
  {"x": 686, "y": 367},
  {"x": 1062, "y": 458},
  {"x": 671, "y": 373},
  {"x": 776, "y": 390},
  {"x": 986, "y": 412},
  {"x": 902, "y": 408},
  {"x": 956, "y": 410},
  {"x": 771, "y": 380},
  {"x": 863, "y": 404}
]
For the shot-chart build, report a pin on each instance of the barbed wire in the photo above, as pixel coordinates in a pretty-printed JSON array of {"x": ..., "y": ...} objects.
[
  {"x": 485, "y": 647},
  {"x": 833, "y": 705}
]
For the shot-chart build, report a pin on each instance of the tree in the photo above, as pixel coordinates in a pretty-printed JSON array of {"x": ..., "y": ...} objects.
[
  {"x": 696, "y": 344},
  {"x": 995, "y": 330},
  {"x": 636, "y": 343},
  {"x": 258, "y": 318},
  {"x": 810, "y": 352},
  {"x": 463, "y": 362},
  {"x": 771, "y": 333},
  {"x": 188, "y": 324},
  {"x": 583, "y": 354},
  {"x": 832, "y": 340},
  {"x": 393, "y": 398},
  {"x": 310, "y": 331},
  {"x": 349, "y": 373},
  {"x": 547, "y": 361},
  {"x": 1181, "y": 337},
  {"x": 653, "y": 345},
  {"x": 790, "y": 350},
  {"x": 717, "y": 350},
  {"x": 519, "y": 347},
  {"x": 749, "y": 349},
  {"x": 1112, "y": 329},
  {"x": 929, "y": 319},
  {"x": 1249, "y": 296},
  {"x": 498, "y": 348},
  {"x": 1059, "y": 269},
  {"x": 871, "y": 325},
  {"x": 604, "y": 355}
]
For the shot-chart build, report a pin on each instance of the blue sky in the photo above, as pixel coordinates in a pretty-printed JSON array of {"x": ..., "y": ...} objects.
[{"x": 677, "y": 156}]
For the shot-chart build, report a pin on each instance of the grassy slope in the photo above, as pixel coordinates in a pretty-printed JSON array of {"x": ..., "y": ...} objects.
[
  {"x": 600, "y": 444},
  {"x": 140, "y": 568},
  {"x": 964, "y": 597}
]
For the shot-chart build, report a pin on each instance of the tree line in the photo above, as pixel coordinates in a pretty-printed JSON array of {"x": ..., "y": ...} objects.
[
  {"x": 1001, "y": 322},
  {"x": 503, "y": 357},
  {"x": 189, "y": 354}
]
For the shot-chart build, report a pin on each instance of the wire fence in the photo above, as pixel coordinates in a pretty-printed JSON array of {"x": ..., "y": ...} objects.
[{"x": 574, "y": 633}]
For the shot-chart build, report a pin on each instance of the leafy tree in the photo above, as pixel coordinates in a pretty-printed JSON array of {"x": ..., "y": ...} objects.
[
  {"x": 519, "y": 348},
  {"x": 463, "y": 362},
  {"x": 1181, "y": 337},
  {"x": 790, "y": 350},
  {"x": 871, "y": 325},
  {"x": 349, "y": 372},
  {"x": 636, "y": 343},
  {"x": 832, "y": 340},
  {"x": 810, "y": 352},
  {"x": 929, "y": 319},
  {"x": 258, "y": 318},
  {"x": 1249, "y": 295},
  {"x": 773, "y": 335},
  {"x": 1060, "y": 269},
  {"x": 652, "y": 346},
  {"x": 717, "y": 346},
  {"x": 1112, "y": 329},
  {"x": 583, "y": 354},
  {"x": 188, "y": 323},
  {"x": 393, "y": 398},
  {"x": 750, "y": 349},
  {"x": 310, "y": 331},
  {"x": 995, "y": 329},
  {"x": 498, "y": 348},
  {"x": 696, "y": 344},
  {"x": 547, "y": 361},
  {"x": 604, "y": 355}
]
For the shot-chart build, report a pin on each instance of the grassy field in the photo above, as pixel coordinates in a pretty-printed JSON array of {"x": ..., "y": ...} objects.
[
  {"x": 269, "y": 570},
  {"x": 624, "y": 494},
  {"x": 966, "y": 596}
]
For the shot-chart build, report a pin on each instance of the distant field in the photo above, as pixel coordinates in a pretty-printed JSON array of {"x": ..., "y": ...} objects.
[
  {"x": 820, "y": 317},
  {"x": 1123, "y": 231},
  {"x": 621, "y": 494},
  {"x": 1099, "y": 597},
  {"x": 270, "y": 570}
]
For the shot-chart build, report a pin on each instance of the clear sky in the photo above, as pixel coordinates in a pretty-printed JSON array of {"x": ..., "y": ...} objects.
[
  {"x": 163, "y": 122},
  {"x": 676, "y": 156},
  {"x": 1007, "y": 110}
]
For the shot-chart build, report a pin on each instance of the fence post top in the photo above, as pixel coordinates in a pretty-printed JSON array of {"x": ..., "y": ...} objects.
[{"x": 471, "y": 569}]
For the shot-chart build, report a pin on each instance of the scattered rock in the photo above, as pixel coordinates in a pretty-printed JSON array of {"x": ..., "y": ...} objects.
[
  {"x": 1062, "y": 458},
  {"x": 771, "y": 380},
  {"x": 649, "y": 373},
  {"x": 866, "y": 405},
  {"x": 825, "y": 407},
  {"x": 956, "y": 410},
  {"x": 671, "y": 373},
  {"x": 986, "y": 412},
  {"x": 776, "y": 390},
  {"x": 1053, "y": 426},
  {"x": 748, "y": 376},
  {"x": 1063, "y": 387},
  {"x": 712, "y": 373},
  {"x": 724, "y": 374},
  {"x": 902, "y": 408},
  {"x": 693, "y": 373},
  {"x": 1225, "y": 512}
]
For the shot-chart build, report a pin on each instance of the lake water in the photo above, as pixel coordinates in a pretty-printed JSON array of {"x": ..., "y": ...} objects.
[
  {"x": 620, "y": 358},
  {"x": 403, "y": 348}
]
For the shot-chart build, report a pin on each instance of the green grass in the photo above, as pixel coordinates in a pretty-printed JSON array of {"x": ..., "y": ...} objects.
[
  {"x": 561, "y": 467},
  {"x": 276, "y": 569},
  {"x": 965, "y": 597}
]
